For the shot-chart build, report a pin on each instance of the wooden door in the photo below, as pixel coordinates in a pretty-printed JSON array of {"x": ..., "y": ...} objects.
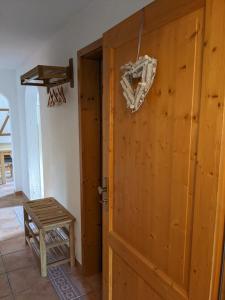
[{"x": 158, "y": 243}]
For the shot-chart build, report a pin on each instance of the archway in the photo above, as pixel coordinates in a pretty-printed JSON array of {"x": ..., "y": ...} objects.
[
  {"x": 34, "y": 145},
  {"x": 6, "y": 160}
]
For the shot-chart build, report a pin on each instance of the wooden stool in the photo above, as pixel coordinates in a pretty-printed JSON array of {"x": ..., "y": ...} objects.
[{"x": 43, "y": 217}]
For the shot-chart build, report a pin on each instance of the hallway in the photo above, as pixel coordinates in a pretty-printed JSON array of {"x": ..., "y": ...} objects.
[
  {"x": 112, "y": 161},
  {"x": 19, "y": 275}
]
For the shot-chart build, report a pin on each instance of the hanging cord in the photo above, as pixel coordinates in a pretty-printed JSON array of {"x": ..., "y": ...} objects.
[{"x": 141, "y": 32}]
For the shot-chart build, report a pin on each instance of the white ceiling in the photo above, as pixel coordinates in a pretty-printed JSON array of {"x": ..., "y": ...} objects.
[{"x": 26, "y": 24}]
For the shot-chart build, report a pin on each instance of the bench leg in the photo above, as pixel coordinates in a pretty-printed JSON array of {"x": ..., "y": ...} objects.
[
  {"x": 26, "y": 219},
  {"x": 43, "y": 255},
  {"x": 72, "y": 245}
]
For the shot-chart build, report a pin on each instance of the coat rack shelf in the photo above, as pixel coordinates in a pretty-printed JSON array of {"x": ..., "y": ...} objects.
[{"x": 49, "y": 76}]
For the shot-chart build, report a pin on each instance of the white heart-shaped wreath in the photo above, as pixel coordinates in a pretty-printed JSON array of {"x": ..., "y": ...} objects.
[{"x": 145, "y": 69}]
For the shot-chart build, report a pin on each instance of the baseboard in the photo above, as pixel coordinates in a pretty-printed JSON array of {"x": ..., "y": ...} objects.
[
  {"x": 78, "y": 265},
  {"x": 21, "y": 193}
]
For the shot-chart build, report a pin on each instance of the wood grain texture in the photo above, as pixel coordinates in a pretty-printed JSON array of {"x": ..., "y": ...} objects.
[
  {"x": 167, "y": 167},
  {"x": 47, "y": 213},
  {"x": 126, "y": 284},
  {"x": 43, "y": 253},
  {"x": 72, "y": 244},
  {"x": 107, "y": 109},
  {"x": 208, "y": 226},
  {"x": 90, "y": 50},
  {"x": 156, "y": 15},
  {"x": 91, "y": 159},
  {"x": 49, "y": 76},
  {"x": 153, "y": 153}
]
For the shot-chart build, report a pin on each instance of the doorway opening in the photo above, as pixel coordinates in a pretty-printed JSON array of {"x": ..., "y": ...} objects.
[
  {"x": 90, "y": 113},
  {"x": 7, "y": 186},
  {"x": 34, "y": 144}
]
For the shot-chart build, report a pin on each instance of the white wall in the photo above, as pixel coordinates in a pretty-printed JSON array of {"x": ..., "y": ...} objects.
[
  {"x": 33, "y": 147},
  {"x": 60, "y": 124},
  {"x": 8, "y": 90}
]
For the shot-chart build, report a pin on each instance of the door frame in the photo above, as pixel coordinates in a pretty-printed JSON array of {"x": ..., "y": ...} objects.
[{"x": 87, "y": 51}]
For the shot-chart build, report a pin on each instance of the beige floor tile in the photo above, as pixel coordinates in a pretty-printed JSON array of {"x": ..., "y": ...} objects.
[
  {"x": 18, "y": 260},
  {"x": 2, "y": 269},
  {"x": 82, "y": 284},
  {"x": 40, "y": 291},
  {"x": 27, "y": 278},
  {"x": 8, "y": 298},
  {"x": 9, "y": 224},
  {"x": 76, "y": 272},
  {"x": 8, "y": 232},
  {"x": 15, "y": 244},
  {"x": 12, "y": 200},
  {"x": 95, "y": 281},
  {"x": 7, "y": 188},
  {"x": 6, "y": 214},
  {"x": 91, "y": 296},
  {"x": 4, "y": 286},
  {"x": 8, "y": 217}
]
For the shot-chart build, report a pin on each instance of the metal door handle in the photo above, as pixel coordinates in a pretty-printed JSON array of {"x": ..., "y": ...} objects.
[{"x": 103, "y": 191}]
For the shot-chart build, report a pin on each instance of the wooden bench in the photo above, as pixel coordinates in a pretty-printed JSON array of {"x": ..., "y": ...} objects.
[{"x": 49, "y": 231}]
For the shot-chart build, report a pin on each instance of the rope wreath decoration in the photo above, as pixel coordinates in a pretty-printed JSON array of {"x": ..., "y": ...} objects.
[{"x": 144, "y": 69}]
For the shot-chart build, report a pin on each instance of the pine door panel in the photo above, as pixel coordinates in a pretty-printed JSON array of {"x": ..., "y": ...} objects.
[{"x": 152, "y": 161}]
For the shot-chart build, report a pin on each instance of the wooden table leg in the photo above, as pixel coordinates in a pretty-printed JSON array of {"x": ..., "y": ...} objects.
[
  {"x": 72, "y": 245},
  {"x": 43, "y": 254},
  {"x": 2, "y": 159}
]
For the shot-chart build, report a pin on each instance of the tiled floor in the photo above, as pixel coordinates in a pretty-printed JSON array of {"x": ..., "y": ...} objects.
[
  {"x": 19, "y": 275},
  {"x": 7, "y": 189}
]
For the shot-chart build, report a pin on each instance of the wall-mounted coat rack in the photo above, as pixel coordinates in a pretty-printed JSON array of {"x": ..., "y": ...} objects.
[{"x": 49, "y": 76}]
